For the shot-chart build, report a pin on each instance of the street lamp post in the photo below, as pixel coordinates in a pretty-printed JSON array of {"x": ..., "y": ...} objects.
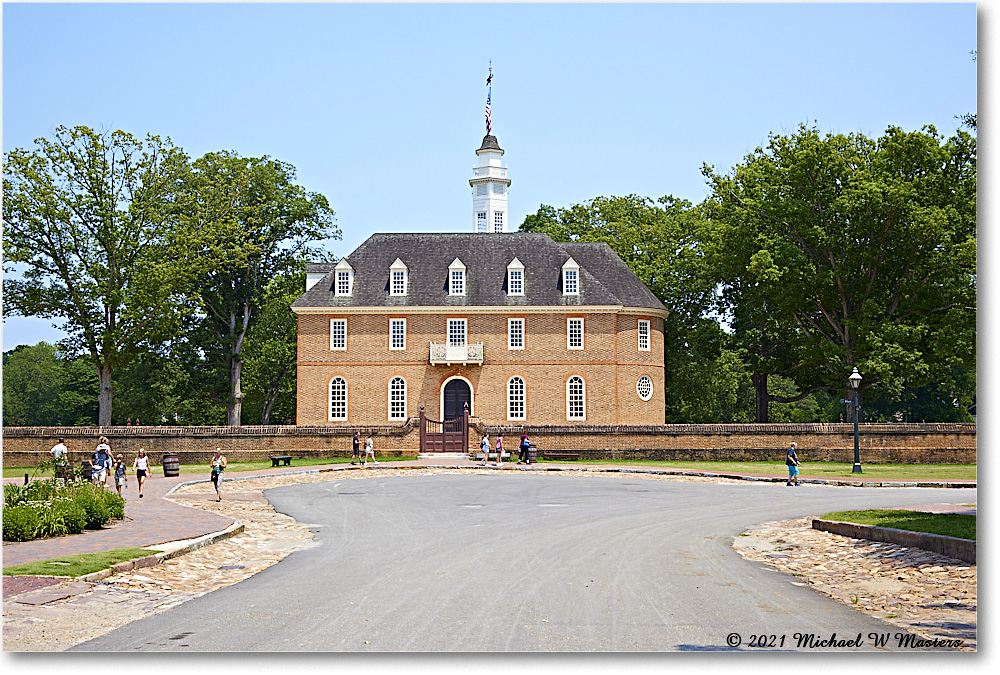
[{"x": 855, "y": 380}]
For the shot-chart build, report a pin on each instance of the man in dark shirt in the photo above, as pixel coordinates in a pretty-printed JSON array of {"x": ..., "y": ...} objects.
[
  {"x": 357, "y": 449},
  {"x": 792, "y": 461}
]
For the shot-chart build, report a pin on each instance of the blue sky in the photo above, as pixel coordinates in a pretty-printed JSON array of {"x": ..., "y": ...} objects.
[{"x": 381, "y": 107}]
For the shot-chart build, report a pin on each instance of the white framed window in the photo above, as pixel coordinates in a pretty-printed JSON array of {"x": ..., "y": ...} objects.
[
  {"x": 458, "y": 332},
  {"x": 515, "y": 398},
  {"x": 644, "y": 387},
  {"x": 397, "y": 398},
  {"x": 481, "y": 221},
  {"x": 344, "y": 284},
  {"x": 482, "y": 189},
  {"x": 397, "y": 334},
  {"x": 515, "y": 282},
  {"x": 571, "y": 285},
  {"x": 571, "y": 277},
  {"x": 498, "y": 188},
  {"x": 338, "y": 399},
  {"x": 398, "y": 284},
  {"x": 498, "y": 221},
  {"x": 338, "y": 334},
  {"x": 643, "y": 335},
  {"x": 574, "y": 333},
  {"x": 457, "y": 285},
  {"x": 515, "y": 333},
  {"x": 576, "y": 398}
]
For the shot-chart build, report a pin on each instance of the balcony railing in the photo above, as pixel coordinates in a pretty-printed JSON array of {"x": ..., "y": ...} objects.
[
  {"x": 489, "y": 172},
  {"x": 445, "y": 354}
]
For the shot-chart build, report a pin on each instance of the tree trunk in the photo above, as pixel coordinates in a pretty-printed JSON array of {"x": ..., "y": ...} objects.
[
  {"x": 104, "y": 397},
  {"x": 761, "y": 398},
  {"x": 272, "y": 397},
  {"x": 234, "y": 407}
]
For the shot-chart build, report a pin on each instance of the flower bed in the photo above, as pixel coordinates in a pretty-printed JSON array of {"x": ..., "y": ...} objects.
[{"x": 51, "y": 508}]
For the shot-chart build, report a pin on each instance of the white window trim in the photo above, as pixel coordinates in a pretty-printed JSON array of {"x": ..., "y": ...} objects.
[
  {"x": 524, "y": 402},
  {"x": 583, "y": 334},
  {"x": 397, "y": 349},
  {"x": 571, "y": 266},
  {"x": 638, "y": 393},
  {"x": 332, "y": 347},
  {"x": 457, "y": 266},
  {"x": 330, "y": 399},
  {"x": 649, "y": 337},
  {"x": 388, "y": 409},
  {"x": 343, "y": 266},
  {"x": 510, "y": 322},
  {"x": 584, "y": 417},
  {"x": 515, "y": 266},
  {"x": 447, "y": 332}
]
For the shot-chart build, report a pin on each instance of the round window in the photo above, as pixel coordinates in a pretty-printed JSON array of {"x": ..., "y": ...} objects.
[{"x": 644, "y": 387}]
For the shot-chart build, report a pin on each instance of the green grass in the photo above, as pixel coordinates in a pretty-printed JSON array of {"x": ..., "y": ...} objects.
[
  {"x": 948, "y": 524},
  {"x": 18, "y": 472},
  {"x": 78, "y": 565},
  {"x": 870, "y": 472}
]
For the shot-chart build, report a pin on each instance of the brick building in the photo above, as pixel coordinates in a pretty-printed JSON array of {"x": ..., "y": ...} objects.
[{"x": 522, "y": 328}]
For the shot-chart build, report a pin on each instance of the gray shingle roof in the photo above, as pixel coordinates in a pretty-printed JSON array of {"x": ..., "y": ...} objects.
[
  {"x": 490, "y": 143},
  {"x": 604, "y": 278}
]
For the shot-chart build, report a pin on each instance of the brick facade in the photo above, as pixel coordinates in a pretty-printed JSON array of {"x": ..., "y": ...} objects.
[
  {"x": 880, "y": 443},
  {"x": 610, "y": 364}
]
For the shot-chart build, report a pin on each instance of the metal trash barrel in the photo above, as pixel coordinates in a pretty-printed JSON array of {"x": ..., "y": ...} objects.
[
  {"x": 532, "y": 454},
  {"x": 171, "y": 465}
]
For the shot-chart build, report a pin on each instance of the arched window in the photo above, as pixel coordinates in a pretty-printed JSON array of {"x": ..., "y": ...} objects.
[
  {"x": 338, "y": 399},
  {"x": 576, "y": 398},
  {"x": 397, "y": 399},
  {"x": 515, "y": 398}
]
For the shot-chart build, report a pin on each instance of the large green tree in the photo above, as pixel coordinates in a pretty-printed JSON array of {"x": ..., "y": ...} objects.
[
  {"x": 661, "y": 241},
  {"x": 262, "y": 226},
  {"x": 42, "y": 387},
  {"x": 87, "y": 239},
  {"x": 843, "y": 251}
]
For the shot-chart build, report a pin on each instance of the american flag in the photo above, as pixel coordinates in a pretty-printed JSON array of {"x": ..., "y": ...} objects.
[{"x": 488, "y": 124}]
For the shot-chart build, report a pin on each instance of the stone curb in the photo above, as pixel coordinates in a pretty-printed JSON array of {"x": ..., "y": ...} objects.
[
  {"x": 953, "y": 547},
  {"x": 155, "y": 559}
]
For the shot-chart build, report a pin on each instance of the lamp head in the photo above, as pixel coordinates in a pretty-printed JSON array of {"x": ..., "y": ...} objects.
[{"x": 855, "y": 379}]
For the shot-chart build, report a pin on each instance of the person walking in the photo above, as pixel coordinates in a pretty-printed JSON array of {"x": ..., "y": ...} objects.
[
  {"x": 356, "y": 451},
  {"x": 218, "y": 467},
  {"x": 120, "y": 478},
  {"x": 101, "y": 462},
  {"x": 499, "y": 449},
  {"x": 141, "y": 466},
  {"x": 522, "y": 457},
  {"x": 58, "y": 453},
  {"x": 484, "y": 445},
  {"x": 369, "y": 450},
  {"x": 792, "y": 462}
]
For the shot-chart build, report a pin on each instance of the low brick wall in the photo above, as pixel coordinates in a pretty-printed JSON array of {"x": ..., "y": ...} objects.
[
  {"x": 953, "y": 547},
  {"x": 953, "y": 443}
]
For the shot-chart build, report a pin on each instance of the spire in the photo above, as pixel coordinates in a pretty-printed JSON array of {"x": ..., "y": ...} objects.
[{"x": 489, "y": 93}]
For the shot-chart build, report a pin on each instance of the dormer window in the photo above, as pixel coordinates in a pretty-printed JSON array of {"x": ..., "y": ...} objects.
[
  {"x": 571, "y": 278},
  {"x": 343, "y": 284},
  {"x": 456, "y": 278},
  {"x": 398, "y": 278},
  {"x": 515, "y": 278}
]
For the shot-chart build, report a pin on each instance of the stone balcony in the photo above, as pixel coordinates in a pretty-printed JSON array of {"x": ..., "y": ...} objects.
[{"x": 447, "y": 355}]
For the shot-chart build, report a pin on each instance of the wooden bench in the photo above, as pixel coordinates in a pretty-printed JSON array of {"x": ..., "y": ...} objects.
[
  {"x": 287, "y": 459},
  {"x": 561, "y": 455}
]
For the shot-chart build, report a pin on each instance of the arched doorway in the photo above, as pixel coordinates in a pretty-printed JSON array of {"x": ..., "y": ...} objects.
[{"x": 457, "y": 393}]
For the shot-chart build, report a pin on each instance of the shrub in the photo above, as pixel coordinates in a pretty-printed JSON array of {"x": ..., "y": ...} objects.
[
  {"x": 13, "y": 495},
  {"x": 19, "y": 523},
  {"x": 96, "y": 510},
  {"x": 115, "y": 504},
  {"x": 73, "y": 516},
  {"x": 40, "y": 490},
  {"x": 50, "y": 522}
]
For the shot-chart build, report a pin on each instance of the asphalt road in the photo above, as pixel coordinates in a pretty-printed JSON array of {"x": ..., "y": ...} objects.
[{"x": 521, "y": 563}]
